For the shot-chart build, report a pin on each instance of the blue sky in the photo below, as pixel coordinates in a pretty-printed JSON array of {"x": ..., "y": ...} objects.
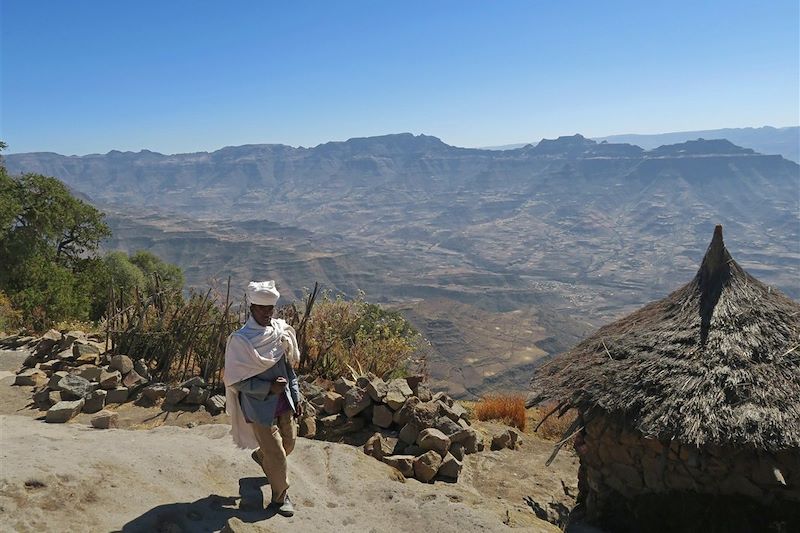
[{"x": 178, "y": 76}]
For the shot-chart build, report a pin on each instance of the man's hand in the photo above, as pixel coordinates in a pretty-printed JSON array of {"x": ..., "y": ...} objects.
[
  {"x": 278, "y": 386},
  {"x": 298, "y": 411}
]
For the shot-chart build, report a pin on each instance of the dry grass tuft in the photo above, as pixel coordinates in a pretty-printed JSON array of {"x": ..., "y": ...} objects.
[
  {"x": 554, "y": 427},
  {"x": 508, "y": 408}
]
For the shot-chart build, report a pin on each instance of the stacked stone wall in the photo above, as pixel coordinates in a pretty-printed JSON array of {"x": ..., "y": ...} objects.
[{"x": 617, "y": 462}]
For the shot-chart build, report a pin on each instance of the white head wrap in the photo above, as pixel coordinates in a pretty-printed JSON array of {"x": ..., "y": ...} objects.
[{"x": 262, "y": 293}]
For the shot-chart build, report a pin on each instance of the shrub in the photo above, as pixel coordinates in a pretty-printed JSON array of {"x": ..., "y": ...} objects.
[
  {"x": 10, "y": 318},
  {"x": 180, "y": 337},
  {"x": 341, "y": 334},
  {"x": 510, "y": 409}
]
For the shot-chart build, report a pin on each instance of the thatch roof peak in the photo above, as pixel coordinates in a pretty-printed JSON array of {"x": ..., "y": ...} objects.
[
  {"x": 717, "y": 256},
  {"x": 717, "y": 361},
  {"x": 714, "y": 274}
]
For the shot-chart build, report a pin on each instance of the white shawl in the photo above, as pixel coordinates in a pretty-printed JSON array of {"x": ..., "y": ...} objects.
[{"x": 250, "y": 351}]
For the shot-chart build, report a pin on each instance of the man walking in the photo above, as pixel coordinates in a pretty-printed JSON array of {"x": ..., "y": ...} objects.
[{"x": 262, "y": 391}]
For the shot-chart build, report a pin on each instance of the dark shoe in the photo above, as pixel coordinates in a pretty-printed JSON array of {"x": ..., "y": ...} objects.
[{"x": 286, "y": 508}]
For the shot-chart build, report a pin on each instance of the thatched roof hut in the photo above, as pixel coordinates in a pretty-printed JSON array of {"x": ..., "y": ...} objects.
[{"x": 713, "y": 366}]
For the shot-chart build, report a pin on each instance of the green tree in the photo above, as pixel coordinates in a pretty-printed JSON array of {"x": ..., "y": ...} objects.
[
  {"x": 50, "y": 294},
  {"x": 123, "y": 274},
  {"x": 127, "y": 275},
  {"x": 50, "y": 216},
  {"x": 9, "y": 204},
  {"x": 47, "y": 241},
  {"x": 170, "y": 276}
]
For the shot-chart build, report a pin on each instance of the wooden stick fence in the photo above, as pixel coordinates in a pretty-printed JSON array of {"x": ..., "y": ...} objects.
[{"x": 177, "y": 338}]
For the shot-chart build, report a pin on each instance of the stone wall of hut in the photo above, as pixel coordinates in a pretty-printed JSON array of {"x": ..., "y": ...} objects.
[{"x": 619, "y": 466}]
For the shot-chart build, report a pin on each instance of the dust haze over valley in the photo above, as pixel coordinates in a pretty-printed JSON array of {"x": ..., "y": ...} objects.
[{"x": 501, "y": 258}]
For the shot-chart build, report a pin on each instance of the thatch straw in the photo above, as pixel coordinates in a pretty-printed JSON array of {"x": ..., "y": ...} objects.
[{"x": 715, "y": 362}]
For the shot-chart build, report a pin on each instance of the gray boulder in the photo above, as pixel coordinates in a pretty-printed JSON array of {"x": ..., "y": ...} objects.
[
  {"x": 442, "y": 397},
  {"x": 379, "y": 446},
  {"x": 450, "y": 467},
  {"x": 197, "y": 395},
  {"x": 426, "y": 466},
  {"x": 65, "y": 355},
  {"x": 121, "y": 363},
  {"x": 355, "y": 401},
  {"x": 68, "y": 338},
  {"x": 382, "y": 416},
  {"x": 350, "y": 425},
  {"x": 117, "y": 395},
  {"x": 333, "y": 402},
  {"x": 105, "y": 420},
  {"x": 48, "y": 367},
  {"x": 86, "y": 353},
  {"x": 414, "y": 382},
  {"x": 47, "y": 342},
  {"x": 403, "y": 415},
  {"x": 141, "y": 368},
  {"x": 414, "y": 450},
  {"x": 424, "y": 393},
  {"x": 457, "y": 450},
  {"x": 409, "y": 433},
  {"x": 377, "y": 389},
  {"x": 89, "y": 372},
  {"x": 74, "y": 387},
  {"x": 403, "y": 463},
  {"x": 55, "y": 378},
  {"x": 110, "y": 380},
  {"x": 397, "y": 393},
  {"x": 342, "y": 385},
  {"x": 63, "y": 411},
  {"x": 176, "y": 395},
  {"x": 310, "y": 390},
  {"x": 446, "y": 426},
  {"x": 318, "y": 402},
  {"x": 509, "y": 438},
  {"x": 95, "y": 401},
  {"x": 132, "y": 379},
  {"x": 464, "y": 434},
  {"x": 42, "y": 397},
  {"x": 32, "y": 377},
  {"x": 215, "y": 404},
  {"x": 155, "y": 392},
  {"x": 433, "y": 439},
  {"x": 472, "y": 444},
  {"x": 424, "y": 415}
]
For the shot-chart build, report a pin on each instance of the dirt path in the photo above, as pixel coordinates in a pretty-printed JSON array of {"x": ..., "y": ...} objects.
[{"x": 71, "y": 477}]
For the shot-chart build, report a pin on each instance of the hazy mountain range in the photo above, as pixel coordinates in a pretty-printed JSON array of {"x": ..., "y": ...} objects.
[
  {"x": 499, "y": 257},
  {"x": 765, "y": 140}
]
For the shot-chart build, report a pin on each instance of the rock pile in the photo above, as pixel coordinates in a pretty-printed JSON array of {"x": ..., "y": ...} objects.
[
  {"x": 423, "y": 435},
  {"x": 400, "y": 422},
  {"x": 72, "y": 373}
]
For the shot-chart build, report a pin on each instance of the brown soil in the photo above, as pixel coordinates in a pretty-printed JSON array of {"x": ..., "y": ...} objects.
[{"x": 181, "y": 472}]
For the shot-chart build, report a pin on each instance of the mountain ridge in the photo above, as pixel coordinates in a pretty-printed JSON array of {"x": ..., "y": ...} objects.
[
  {"x": 404, "y": 140},
  {"x": 783, "y": 141},
  {"x": 542, "y": 239}
]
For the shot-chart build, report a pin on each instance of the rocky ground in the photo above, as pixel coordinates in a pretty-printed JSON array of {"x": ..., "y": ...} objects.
[{"x": 179, "y": 471}]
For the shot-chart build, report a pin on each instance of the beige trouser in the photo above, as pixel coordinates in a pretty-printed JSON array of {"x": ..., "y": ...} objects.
[{"x": 275, "y": 443}]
